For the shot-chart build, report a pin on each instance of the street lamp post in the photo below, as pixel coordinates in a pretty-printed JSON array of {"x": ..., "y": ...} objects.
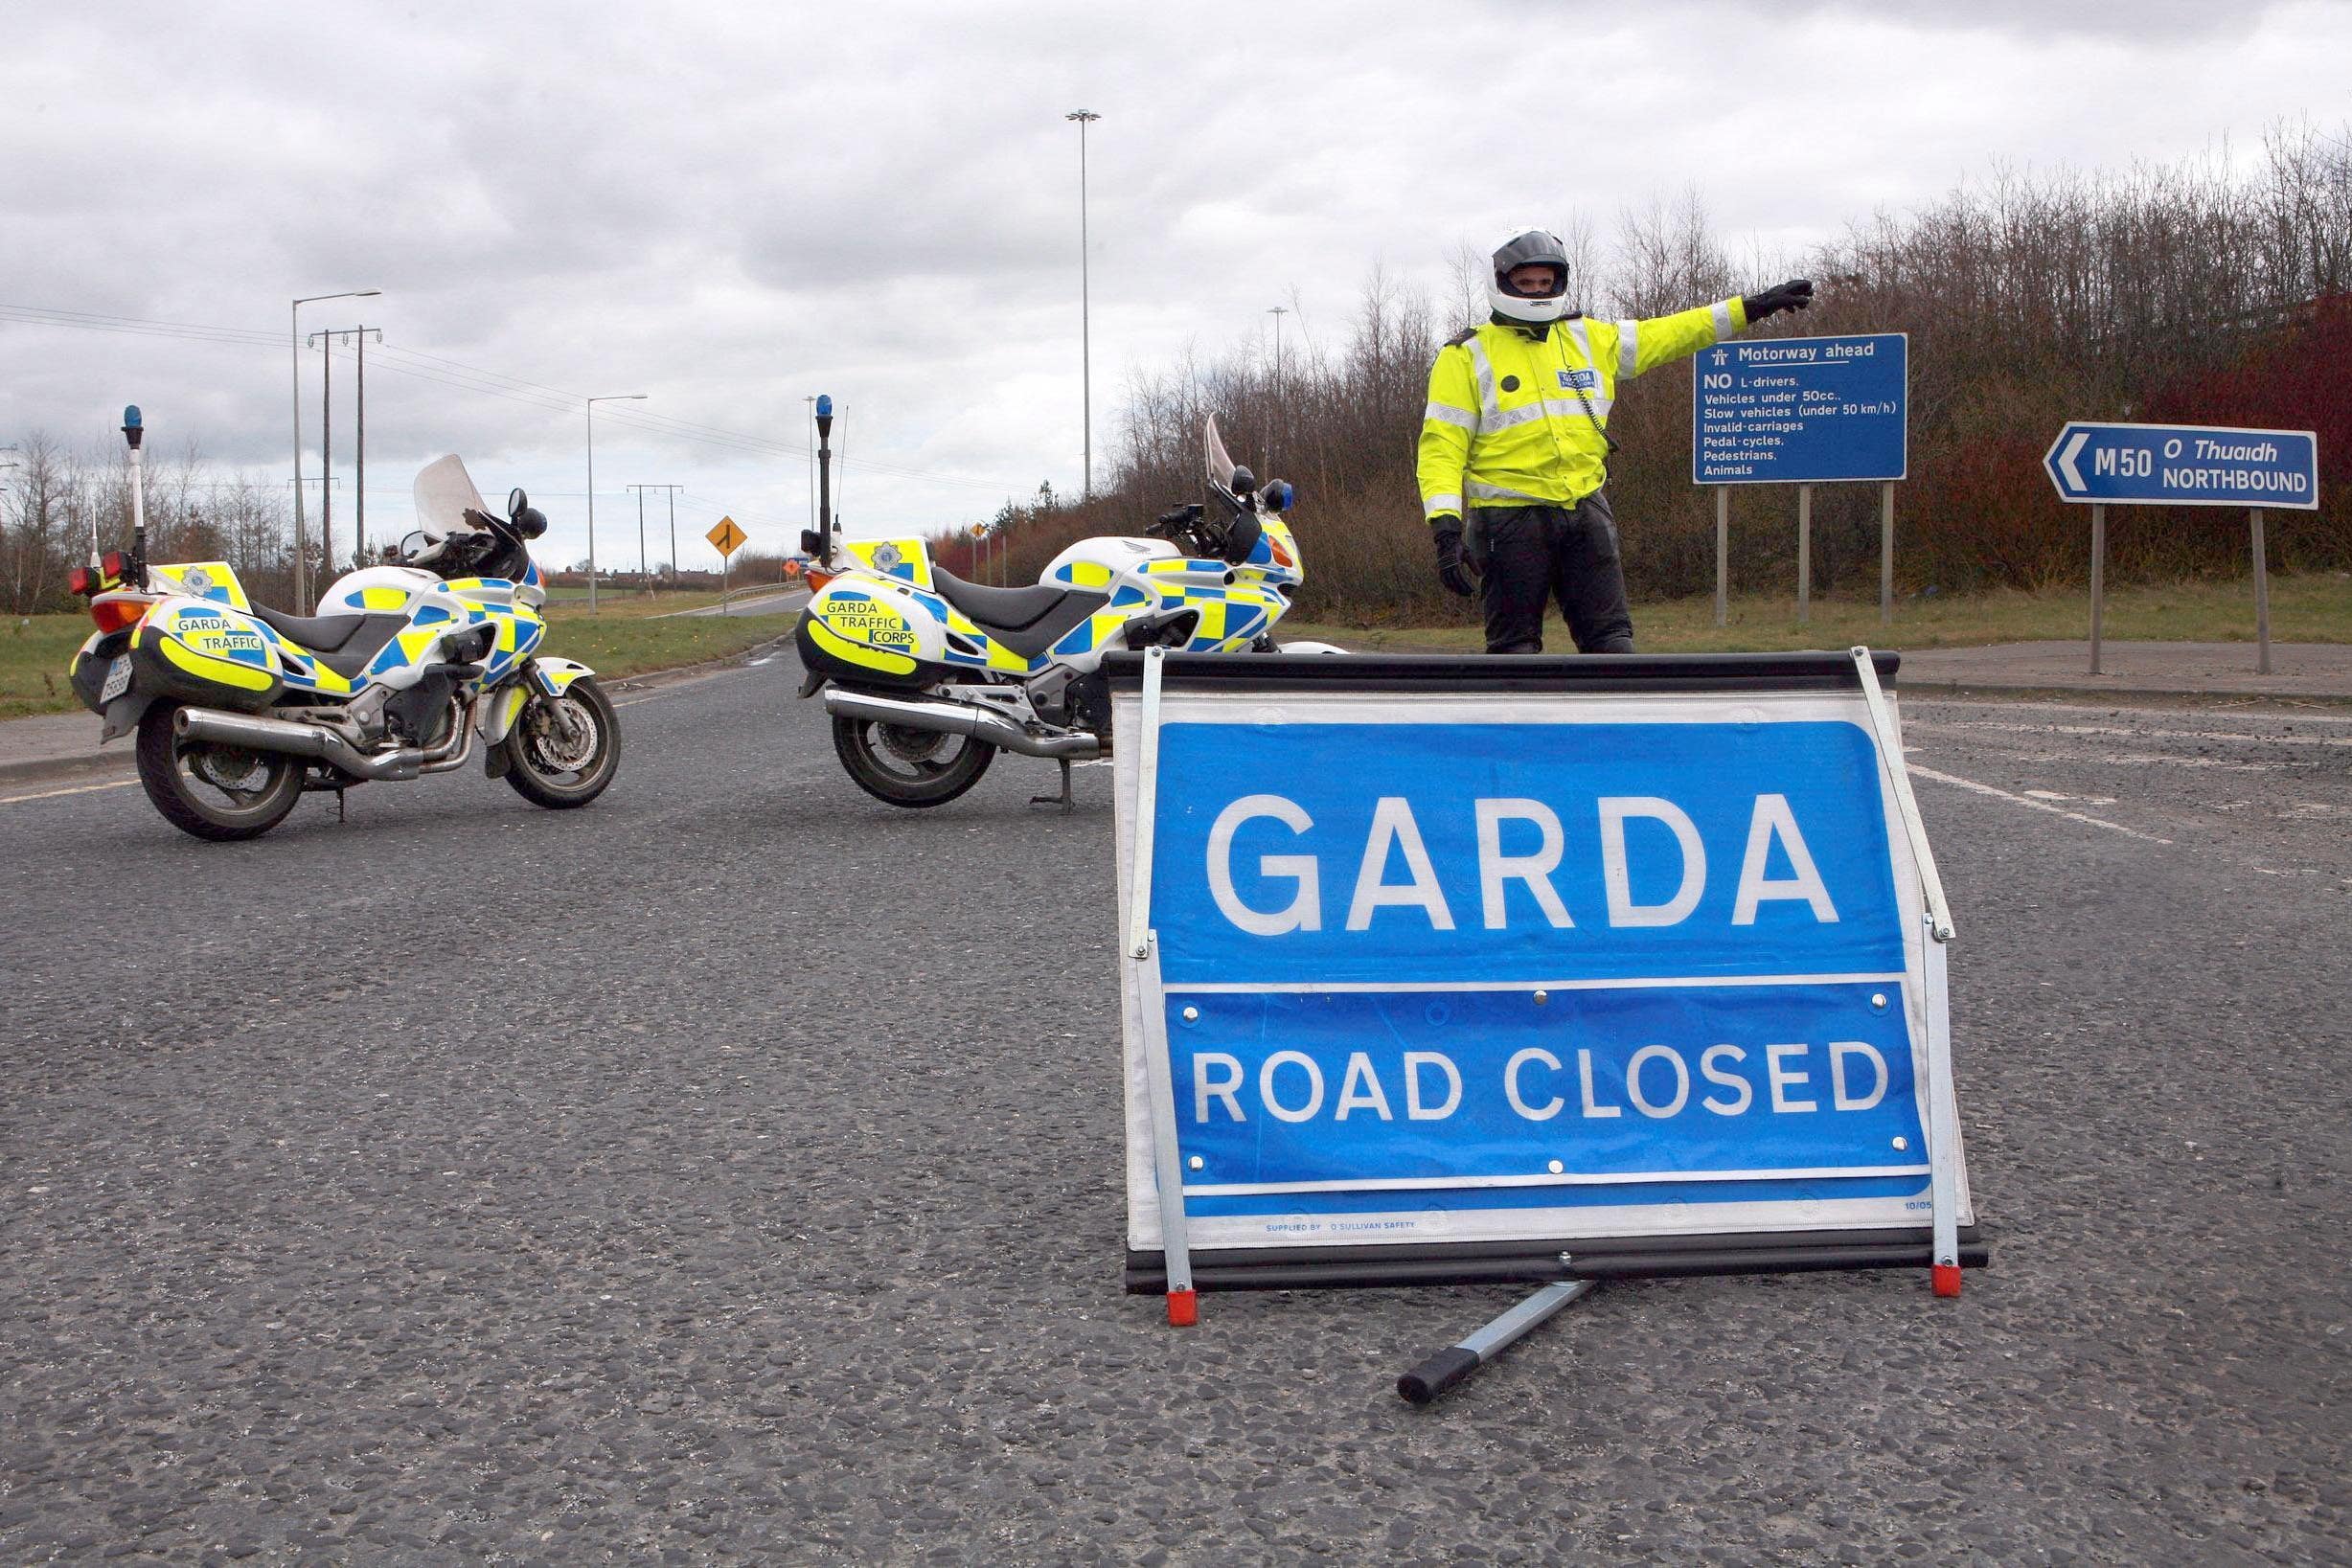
[
  {"x": 301, "y": 560},
  {"x": 1086, "y": 340},
  {"x": 810, "y": 432},
  {"x": 615, "y": 398},
  {"x": 1274, "y": 424}
]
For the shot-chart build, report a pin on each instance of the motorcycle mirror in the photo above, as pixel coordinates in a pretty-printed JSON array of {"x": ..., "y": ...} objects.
[
  {"x": 1242, "y": 538},
  {"x": 1242, "y": 482},
  {"x": 415, "y": 543},
  {"x": 517, "y": 501},
  {"x": 811, "y": 544}
]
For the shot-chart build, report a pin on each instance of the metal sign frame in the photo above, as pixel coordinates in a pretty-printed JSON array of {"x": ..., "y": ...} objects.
[{"x": 1168, "y": 1255}]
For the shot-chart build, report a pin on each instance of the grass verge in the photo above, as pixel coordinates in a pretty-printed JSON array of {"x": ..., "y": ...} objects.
[
  {"x": 35, "y": 650},
  {"x": 2313, "y": 608}
]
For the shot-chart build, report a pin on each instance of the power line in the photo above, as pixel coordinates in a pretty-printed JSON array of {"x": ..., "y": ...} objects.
[{"x": 451, "y": 373}]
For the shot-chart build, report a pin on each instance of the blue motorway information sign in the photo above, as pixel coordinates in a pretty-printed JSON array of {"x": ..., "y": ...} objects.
[
  {"x": 1800, "y": 410},
  {"x": 1432, "y": 976},
  {"x": 2184, "y": 465}
]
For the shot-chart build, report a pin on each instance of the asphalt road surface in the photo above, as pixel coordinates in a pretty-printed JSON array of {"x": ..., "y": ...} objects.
[{"x": 731, "y": 1171}]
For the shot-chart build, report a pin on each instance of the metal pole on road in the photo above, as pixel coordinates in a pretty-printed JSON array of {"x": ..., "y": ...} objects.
[
  {"x": 2098, "y": 580},
  {"x": 2262, "y": 599},
  {"x": 326, "y": 459},
  {"x": 1086, "y": 340}
]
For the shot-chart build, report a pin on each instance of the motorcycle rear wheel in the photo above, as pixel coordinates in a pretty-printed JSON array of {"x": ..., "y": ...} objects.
[
  {"x": 210, "y": 791},
  {"x": 908, "y": 768}
]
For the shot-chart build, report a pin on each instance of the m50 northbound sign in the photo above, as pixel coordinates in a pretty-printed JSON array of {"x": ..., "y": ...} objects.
[{"x": 2184, "y": 465}]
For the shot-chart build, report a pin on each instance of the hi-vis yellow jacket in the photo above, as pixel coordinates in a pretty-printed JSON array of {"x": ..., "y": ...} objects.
[{"x": 1515, "y": 420}]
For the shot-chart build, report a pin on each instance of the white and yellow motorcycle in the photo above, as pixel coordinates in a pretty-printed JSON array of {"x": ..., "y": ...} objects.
[
  {"x": 240, "y": 709},
  {"x": 928, "y": 676}
]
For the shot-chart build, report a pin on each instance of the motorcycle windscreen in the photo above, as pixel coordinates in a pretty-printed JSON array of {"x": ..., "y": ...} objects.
[
  {"x": 443, "y": 493},
  {"x": 1220, "y": 466}
]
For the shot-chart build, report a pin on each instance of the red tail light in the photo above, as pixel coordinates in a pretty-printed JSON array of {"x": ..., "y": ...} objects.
[
  {"x": 79, "y": 582},
  {"x": 111, "y": 564}
]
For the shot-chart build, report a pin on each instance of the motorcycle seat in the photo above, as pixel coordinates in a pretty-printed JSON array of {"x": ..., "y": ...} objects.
[
  {"x": 1028, "y": 621},
  {"x": 343, "y": 643}
]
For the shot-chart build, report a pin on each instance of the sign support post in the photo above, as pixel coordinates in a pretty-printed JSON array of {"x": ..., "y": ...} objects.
[
  {"x": 1143, "y": 948},
  {"x": 1804, "y": 553},
  {"x": 2098, "y": 580},
  {"x": 1886, "y": 553},
  {"x": 1723, "y": 554},
  {"x": 2262, "y": 599}
]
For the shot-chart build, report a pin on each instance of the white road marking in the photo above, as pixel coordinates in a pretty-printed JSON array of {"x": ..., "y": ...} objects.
[
  {"x": 78, "y": 789},
  {"x": 2129, "y": 733},
  {"x": 2125, "y": 758},
  {"x": 2037, "y": 806}
]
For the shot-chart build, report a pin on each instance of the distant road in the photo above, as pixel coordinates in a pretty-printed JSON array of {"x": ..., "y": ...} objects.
[{"x": 775, "y": 604}]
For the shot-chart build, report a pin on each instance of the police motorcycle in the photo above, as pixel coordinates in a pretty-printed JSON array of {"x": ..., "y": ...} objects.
[
  {"x": 404, "y": 669},
  {"x": 928, "y": 676}
]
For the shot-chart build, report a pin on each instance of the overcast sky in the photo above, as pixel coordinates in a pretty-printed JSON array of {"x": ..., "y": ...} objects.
[{"x": 730, "y": 207}]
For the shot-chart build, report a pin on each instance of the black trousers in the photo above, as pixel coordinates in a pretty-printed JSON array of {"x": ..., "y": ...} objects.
[{"x": 1532, "y": 555}]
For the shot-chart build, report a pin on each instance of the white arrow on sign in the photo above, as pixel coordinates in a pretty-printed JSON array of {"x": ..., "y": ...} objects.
[{"x": 2067, "y": 456}]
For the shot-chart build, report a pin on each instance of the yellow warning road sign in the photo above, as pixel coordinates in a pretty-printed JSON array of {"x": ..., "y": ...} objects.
[{"x": 727, "y": 536}]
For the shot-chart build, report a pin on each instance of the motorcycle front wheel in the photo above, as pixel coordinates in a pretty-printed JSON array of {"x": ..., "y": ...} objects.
[
  {"x": 906, "y": 766},
  {"x": 564, "y": 751},
  {"x": 223, "y": 793}
]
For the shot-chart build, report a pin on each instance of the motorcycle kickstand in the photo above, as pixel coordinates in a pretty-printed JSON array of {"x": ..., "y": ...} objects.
[
  {"x": 1063, "y": 800},
  {"x": 338, "y": 807}
]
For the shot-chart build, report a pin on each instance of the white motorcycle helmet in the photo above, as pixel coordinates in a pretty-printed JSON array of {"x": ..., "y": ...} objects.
[{"x": 1530, "y": 247}]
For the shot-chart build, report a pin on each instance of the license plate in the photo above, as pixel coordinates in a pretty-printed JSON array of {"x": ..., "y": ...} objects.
[{"x": 118, "y": 679}]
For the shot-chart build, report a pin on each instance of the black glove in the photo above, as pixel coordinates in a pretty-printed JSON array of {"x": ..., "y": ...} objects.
[
  {"x": 1455, "y": 572},
  {"x": 1797, "y": 294}
]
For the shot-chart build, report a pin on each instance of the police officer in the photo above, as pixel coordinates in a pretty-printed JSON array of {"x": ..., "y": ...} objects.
[{"x": 1517, "y": 427}]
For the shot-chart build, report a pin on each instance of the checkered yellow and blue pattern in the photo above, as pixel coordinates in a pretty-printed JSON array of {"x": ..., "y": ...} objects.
[{"x": 1233, "y": 605}]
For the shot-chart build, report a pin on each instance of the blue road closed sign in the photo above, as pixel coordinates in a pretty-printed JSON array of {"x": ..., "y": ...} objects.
[
  {"x": 1800, "y": 410},
  {"x": 1444, "y": 968},
  {"x": 2184, "y": 465}
]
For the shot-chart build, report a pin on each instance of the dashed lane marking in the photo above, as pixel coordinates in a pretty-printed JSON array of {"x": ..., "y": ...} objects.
[
  {"x": 2037, "y": 806},
  {"x": 78, "y": 789}
]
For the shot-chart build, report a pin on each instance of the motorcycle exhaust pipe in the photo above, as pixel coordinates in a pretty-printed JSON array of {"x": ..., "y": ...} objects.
[
  {"x": 961, "y": 718},
  {"x": 253, "y": 733}
]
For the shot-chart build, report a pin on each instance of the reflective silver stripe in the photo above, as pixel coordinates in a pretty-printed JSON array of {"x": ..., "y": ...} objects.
[
  {"x": 1721, "y": 311},
  {"x": 1486, "y": 376},
  {"x": 1495, "y": 492},
  {"x": 1447, "y": 414},
  {"x": 1552, "y": 408},
  {"x": 1584, "y": 339},
  {"x": 1434, "y": 505},
  {"x": 1629, "y": 350}
]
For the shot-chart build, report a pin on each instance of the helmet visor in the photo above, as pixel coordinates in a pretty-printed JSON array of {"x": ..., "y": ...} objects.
[{"x": 1534, "y": 248}]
